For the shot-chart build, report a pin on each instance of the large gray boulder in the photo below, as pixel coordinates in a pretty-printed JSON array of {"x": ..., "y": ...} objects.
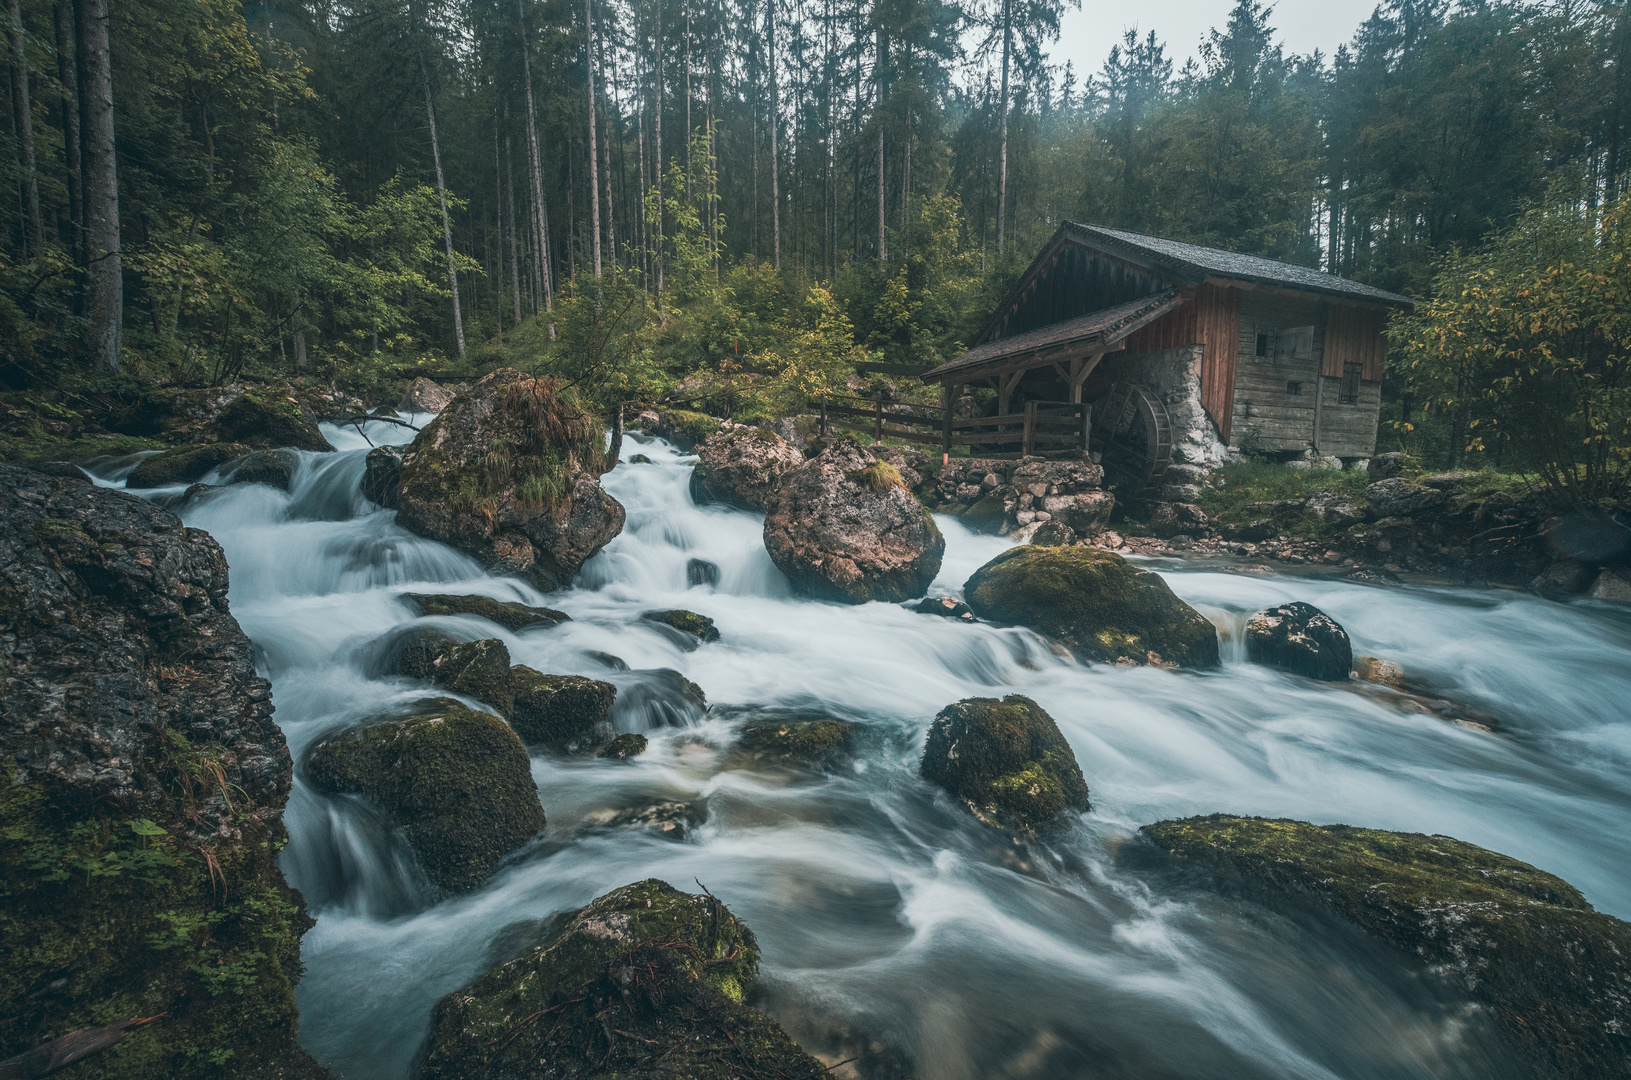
[
  {"x": 843, "y": 527},
  {"x": 509, "y": 473},
  {"x": 742, "y": 466}
]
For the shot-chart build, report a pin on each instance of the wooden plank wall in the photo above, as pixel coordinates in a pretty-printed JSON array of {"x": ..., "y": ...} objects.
[
  {"x": 1354, "y": 336},
  {"x": 1076, "y": 281},
  {"x": 1349, "y": 431},
  {"x": 1263, "y": 407},
  {"x": 1210, "y": 318}
]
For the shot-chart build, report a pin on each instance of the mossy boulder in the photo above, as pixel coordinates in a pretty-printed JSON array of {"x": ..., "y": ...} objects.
[
  {"x": 684, "y": 428},
  {"x": 627, "y": 745},
  {"x": 457, "y": 782},
  {"x": 646, "y": 981},
  {"x": 1555, "y": 973},
  {"x": 987, "y": 514},
  {"x": 182, "y": 465},
  {"x": 509, "y": 473},
  {"x": 506, "y": 613},
  {"x": 1301, "y": 639},
  {"x": 560, "y": 711},
  {"x": 1006, "y": 760},
  {"x": 409, "y": 651},
  {"x": 813, "y": 744},
  {"x": 844, "y": 527},
  {"x": 478, "y": 669},
  {"x": 267, "y": 417},
  {"x": 659, "y": 697},
  {"x": 274, "y": 468},
  {"x": 142, "y": 787},
  {"x": 741, "y": 466},
  {"x": 1095, "y": 602},
  {"x": 686, "y": 622}
]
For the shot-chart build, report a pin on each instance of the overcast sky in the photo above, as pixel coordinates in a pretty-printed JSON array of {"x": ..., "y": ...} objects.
[{"x": 1087, "y": 34}]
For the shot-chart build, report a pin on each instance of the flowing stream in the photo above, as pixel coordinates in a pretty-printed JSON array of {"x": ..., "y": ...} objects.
[{"x": 895, "y": 929}]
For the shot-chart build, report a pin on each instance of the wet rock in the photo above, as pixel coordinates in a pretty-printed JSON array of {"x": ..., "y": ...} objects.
[
  {"x": 509, "y": 474},
  {"x": 274, "y": 468},
  {"x": 182, "y": 465},
  {"x": 1564, "y": 580},
  {"x": 670, "y": 819},
  {"x": 1613, "y": 586},
  {"x": 1301, "y": 639},
  {"x": 1096, "y": 603},
  {"x": 564, "y": 712},
  {"x": 1053, "y": 533},
  {"x": 813, "y": 744},
  {"x": 659, "y": 697},
  {"x": 1386, "y": 466},
  {"x": 268, "y": 417},
  {"x": 382, "y": 472},
  {"x": 134, "y": 735},
  {"x": 700, "y": 572},
  {"x": 1595, "y": 539},
  {"x": 1399, "y": 497},
  {"x": 63, "y": 470},
  {"x": 1374, "y": 669},
  {"x": 409, "y": 651},
  {"x": 478, "y": 669},
  {"x": 1006, "y": 760},
  {"x": 457, "y": 782},
  {"x": 506, "y": 613},
  {"x": 947, "y": 607},
  {"x": 1169, "y": 519},
  {"x": 987, "y": 514},
  {"x": 607, "y": 660},
  {"x": 843, "y": 527},
  {"x": 1555, "y": 973},
  {"x": 742, "y": 466},
  {"x": 686, "y": 622},
  {"x": 424, "y": 396},
  {"x": 640, "y": 459},
  {"x": 644, "y": 974},
  {"x": 625, "y": 746}
]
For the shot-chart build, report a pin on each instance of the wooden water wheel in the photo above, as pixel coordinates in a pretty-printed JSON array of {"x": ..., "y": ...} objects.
[{"x": 1131, "y": 431}]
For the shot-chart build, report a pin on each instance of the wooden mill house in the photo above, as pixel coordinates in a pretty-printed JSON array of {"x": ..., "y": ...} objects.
[{"x": 1158, "y": 353}]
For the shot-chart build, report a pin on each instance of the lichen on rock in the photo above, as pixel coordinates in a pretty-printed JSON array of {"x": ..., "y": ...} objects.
[
  {"x": 686, "y": 622},
  {"x": 1096, "y": 603},
  {"x": 644, "y": 981},
  {"x": 1555, "y": 973},
  {"x": 796, "y": 742},
  {"x": 458, "y": 783},
  {"x": 741, "y": 466},
  {"x": 509, "y": 473},
  {"x": 1006, "y": 760},
  {"x": 1300, "y": 638},
  {"x": 509, "y": 614}
]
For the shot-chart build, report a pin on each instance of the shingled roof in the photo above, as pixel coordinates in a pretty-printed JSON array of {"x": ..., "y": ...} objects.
[
  {"x": 1104, "y": 327},
  {"x": 1198, "y": 263}
]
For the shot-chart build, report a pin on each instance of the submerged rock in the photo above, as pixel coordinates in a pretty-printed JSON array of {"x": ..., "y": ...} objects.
[
  {"x": 182, "y": 465},
  {"x": 140, "y": 766},
  {"x": 625, "y": 746},
  {"x": 382, "y": 472},
  {"x": 509, "y": 473},
  {"x": 700, "y": 572},
  {"x": 1006, "y": 760},
  {"x": 814, "y": 744},
  {"x": 1374, "y": 669},
  {"x": 843, "y": 527},
  {"x": 506, "y": 613},
  {"x": 947, "y": 607},
  {"x": 644, "y": 981},
  {"x": 659, "y": 697},
  {"x": 686, "y": 622},
  {"x": 1097, "y": 603},
  {"x": 741, "y": 467},
  {"x": 560, "y": 711},
  {"x": 478, "y": 669},
  {"x": 409, "y": 651},
  {"x": 1555, "y": 973},
  {"x": 457, "y": 782},
  {"x": 274, "y": 468},
  {"x": 670, "y": 819},
  {"x": 1301, "y": 639}
]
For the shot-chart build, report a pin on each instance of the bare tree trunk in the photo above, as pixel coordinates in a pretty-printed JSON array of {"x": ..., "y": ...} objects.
[
  {"x": 25, "y": 127},
  {"x": 104, "y": 294},
  {"x": 496, "y": 262},
  {"x": 657, "y": 139},
  {"x": 1002, "y": 157},
  {"x": 594, "y": 159},
  {"x": 441, "y": 196},
  {"x": 607, "y": 114},
  {"x": 883, "y": 238},
  {"x": 515, "y": 261},
  {"x": 775, "y": 156},
  {"x": 540, "y": 209},
  {"x": 68, "y": 77}
]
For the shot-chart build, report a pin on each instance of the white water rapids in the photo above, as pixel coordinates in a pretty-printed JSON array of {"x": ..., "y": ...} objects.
[{"x": 894, "y": 928}]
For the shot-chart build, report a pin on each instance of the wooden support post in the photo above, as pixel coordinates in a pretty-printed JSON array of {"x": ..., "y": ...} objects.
[
  {"x": 823, "y": 419},
  {"x": 1080, "y": 369},
  {"x": 877, "y": 422},
  {"x": 1028, "y": 444},
  {"x": 948, "y": 396}
]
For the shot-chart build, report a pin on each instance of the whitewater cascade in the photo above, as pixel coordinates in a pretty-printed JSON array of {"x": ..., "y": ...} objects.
[{"x": 891, "y": 922}]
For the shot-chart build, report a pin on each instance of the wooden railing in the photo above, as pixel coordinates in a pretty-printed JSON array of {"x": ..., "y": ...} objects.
[{"x": 1042, "y": 426}]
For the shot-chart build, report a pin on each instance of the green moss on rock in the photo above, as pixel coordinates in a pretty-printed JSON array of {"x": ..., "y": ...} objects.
[
  {"x": 986, "y": 515},
  {"x": 1006, "y": 760},
  {"x": 478, "y": 669},
  {"x": 183, "y": 465},
  {"x": 687, "y": 622},
  {"x": 1095, "y": 602},
  {"x": 1555, "y": 972},
  {"x": 267, "y": 417},
  {"x": 457, "y": 781},
  {"x": 624, "y": 747},
  {"x": 806, "y": 743},
  {"x": 560, "y": 711},
  {"x": 506, "y": 613},
  {"x": 646, "y": 981}
]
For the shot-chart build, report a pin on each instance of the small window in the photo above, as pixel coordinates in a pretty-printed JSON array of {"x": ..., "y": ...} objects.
[
  {"x": 1349, "y": 394},
  {"x": 1265, "y": 343},
  {"x": 1294, "y": 389}
]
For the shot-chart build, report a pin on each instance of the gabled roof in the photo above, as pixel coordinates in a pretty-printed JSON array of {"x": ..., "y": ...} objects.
[
  {"x": 1199, "y": 263},
  {"x": 1104, "y": 327}
]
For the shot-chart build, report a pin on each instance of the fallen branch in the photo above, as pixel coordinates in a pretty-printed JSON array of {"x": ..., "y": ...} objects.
[{"x": 59, "y": 1053}]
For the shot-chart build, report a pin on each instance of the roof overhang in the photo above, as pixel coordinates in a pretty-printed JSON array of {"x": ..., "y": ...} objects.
[{"x": 1098, "y": 331}]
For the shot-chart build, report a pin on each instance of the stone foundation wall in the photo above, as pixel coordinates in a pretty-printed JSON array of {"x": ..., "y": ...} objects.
[{"x": 1174, "y": 375}]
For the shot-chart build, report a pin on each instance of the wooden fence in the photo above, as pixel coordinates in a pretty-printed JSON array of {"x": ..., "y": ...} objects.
[{"x": 1041, "y": 427}]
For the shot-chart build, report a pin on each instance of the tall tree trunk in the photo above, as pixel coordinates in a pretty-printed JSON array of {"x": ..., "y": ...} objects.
[
  {"x": 515, "y": 261},
  {"x": 104, "y": 293},
  {"x": 25, "y": 127},
  {"x": 883, "y": 236},
  {"x": 608, "y": 82},
  {"x": 540, "y": 209},
  {"x": 687, "y": 100},
  {"x": 594, "y": 158},
  {"x": 68, "y": 78},
  {"x": 657, "y": 148},
  {"x": 441, "y": 196},
  {"x": 1002, "y": 156},
  {"x": 775, "y": 155},
  {"x": 497, "y": 261}
]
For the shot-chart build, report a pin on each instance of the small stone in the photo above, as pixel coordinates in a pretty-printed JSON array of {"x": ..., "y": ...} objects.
[
  {"x": 949, "y": 607},
  {"x": 686, "y": 622},
  {"x": 1374, "y": 669}
]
